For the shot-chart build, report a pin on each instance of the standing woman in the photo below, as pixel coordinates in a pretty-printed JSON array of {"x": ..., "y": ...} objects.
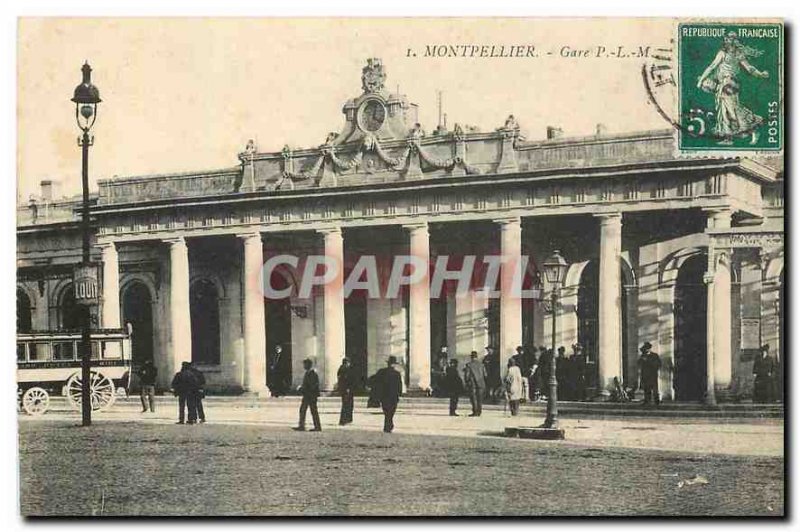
[{"x": 513, "y": 383}]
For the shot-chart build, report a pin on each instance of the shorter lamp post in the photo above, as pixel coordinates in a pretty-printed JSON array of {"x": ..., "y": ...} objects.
[{"x": 555, "y": 270}]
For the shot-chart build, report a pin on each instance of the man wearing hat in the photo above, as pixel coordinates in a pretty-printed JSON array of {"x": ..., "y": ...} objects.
[
  {"x": 346, "y": 384},
  {"x": 649, "y": 365},
  {"x": 184, "y": 386},
  {"x": 310, "y": 391},
  {"x": 764, "y": 373},
  {"x": 475, "y": 381},
  {"x": 388, "y": 386}
]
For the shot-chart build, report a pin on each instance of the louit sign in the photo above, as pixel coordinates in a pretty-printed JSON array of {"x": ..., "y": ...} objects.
[{"x": 86, "y": 281}]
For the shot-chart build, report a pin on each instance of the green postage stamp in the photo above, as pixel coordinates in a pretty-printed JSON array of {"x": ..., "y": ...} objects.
[{"x": 730, "y": 87}]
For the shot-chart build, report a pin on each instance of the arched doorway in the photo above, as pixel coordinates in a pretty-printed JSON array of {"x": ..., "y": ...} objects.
[
  {"x": 278, "y": 322},
  {"x": 204, "y": 311},
  {"x": 24, "y": 323},
  {"x": 589, "y": 321},
  {"x": 69, "y": 313},
  {"x": 137, "y": 309},
  {"x": 689, "y": 378}
]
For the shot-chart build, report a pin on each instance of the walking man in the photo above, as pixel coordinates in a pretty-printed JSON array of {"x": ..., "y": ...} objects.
[
  {"x": 184, "y": 386},
  {"x": 389, "y": 385},
  {"x": 649, "y": 366},
  {"x": 200, "y": 392},
  {"x": 147, "y": 377},
  {"x": 454, "y": 385},
  {"x": 475, "y": 380},
  {"x": 346, "y": 385},
  {"x": 310, "y": 391}
]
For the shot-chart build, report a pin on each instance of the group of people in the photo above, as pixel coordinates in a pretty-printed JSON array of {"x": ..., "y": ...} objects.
[
  {"x": 532, "y": 364},
  {"x": 188, "y": 385},
  {"x": 526, "y": 376},
  {"x": 386, "y": 388}
]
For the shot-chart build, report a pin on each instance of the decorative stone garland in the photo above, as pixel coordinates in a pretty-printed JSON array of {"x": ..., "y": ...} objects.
[{"x": 370, "y": 143}]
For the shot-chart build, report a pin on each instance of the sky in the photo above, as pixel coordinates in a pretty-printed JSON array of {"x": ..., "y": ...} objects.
[{"x": 185, "y": 94}]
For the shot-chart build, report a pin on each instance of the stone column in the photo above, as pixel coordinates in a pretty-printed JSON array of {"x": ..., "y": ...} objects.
[
  {"x": 419, "y": 309},
  {"x": 180, "y": 322},
  {"x": 510, "y": 302},
  {"x": 718, "y": 323},
  {"x": 110, "y": 318},
  {"x": 609, "y": 356},
  {"x": 254, "y": 378},
  {"x": 333, "y": 308}
]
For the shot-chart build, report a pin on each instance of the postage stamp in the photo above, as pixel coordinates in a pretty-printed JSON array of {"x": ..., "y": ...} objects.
[{"x": 730, "y": 87}]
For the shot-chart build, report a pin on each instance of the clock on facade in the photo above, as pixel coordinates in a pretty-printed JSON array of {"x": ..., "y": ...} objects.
[{"x": 371, "y": 115}]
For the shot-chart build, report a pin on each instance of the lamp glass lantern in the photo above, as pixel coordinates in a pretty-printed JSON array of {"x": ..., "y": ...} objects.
[
  {"x": 86, "y": 98},
  {"x": 555, "y": 269}
]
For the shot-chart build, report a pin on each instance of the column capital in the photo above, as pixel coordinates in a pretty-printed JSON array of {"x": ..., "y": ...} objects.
[
  {"x": 175, "y": 241},
  {"x": 608, "y": 218},
  {"x": 249, "y": 236},
  {"x": 508, "y": 221},
  {"x": 718, "y": 217},
  {"x": 106, "y": 245},
  {"x": 330, "y": 230},
  {"x": 416, "y": 226}
]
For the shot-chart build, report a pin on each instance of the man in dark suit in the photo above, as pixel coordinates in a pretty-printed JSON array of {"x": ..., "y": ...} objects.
[
  {"x": 200, "y": 392},
  {"x": 475, "y": 380},
  {"x": 764, "y": 373},
  {"x": 310, "y": 391},
  {"x": 389, "y": 387},
  {"x": 278, "y": 375},
  {"x": 346, "y": 384},
  {"x": 454, "y": 385},
  {"x": 184, "y": 385},
  {"x": 649, "y": 366}
]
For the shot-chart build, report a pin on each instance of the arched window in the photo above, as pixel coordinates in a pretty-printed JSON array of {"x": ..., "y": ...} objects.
[
  {"x": 137, "y": 309},
  {"x": 69, "y": 315},
  {"x": 204, "y": 309},
  {"x": 24, "y": 323}
]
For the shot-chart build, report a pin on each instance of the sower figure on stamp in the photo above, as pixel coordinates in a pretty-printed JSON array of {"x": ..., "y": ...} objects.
[
  {"x": 721, "y": 78},
  {"x": 310, "y": 391},
  {"x": 454, "y": 385},
  {"x": 389, "y": 386},
  {"x": 184, "y": 386},
  {"x": 475, "y": 381},
  {"x": 764, "y": 372},
  {"x": 649, "y": 366},
  {"x": 147, "y": 377},
  {"x": 346, "y": 383}
]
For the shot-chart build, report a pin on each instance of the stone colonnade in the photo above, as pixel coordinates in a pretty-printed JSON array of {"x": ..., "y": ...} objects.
[{"x": 255, "y": 335}]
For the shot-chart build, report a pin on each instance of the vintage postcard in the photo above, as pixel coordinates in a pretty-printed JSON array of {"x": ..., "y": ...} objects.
[{"x": 506, "y": 266}]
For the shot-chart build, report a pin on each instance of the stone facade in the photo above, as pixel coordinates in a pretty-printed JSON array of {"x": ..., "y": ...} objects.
[{"x": 625, "y": 212}]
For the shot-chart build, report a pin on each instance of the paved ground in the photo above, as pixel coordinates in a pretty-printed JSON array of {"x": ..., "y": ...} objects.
[
  {"x": 247, "y": 461},
  {"x": 689, "y": 433}
]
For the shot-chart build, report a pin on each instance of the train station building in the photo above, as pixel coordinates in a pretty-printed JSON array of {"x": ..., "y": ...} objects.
[{"x": 684, "y": 253}]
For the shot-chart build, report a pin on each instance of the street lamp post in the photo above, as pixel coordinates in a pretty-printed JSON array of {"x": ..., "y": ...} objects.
[
  {"x": 555, "y": 269},
  {"x": 86, "y": 98}
]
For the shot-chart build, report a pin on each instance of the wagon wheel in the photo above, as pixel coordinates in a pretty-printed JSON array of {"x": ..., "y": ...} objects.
[
  {"x": 35, "y": 401},
  {"x": 101, "y": 391}
]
